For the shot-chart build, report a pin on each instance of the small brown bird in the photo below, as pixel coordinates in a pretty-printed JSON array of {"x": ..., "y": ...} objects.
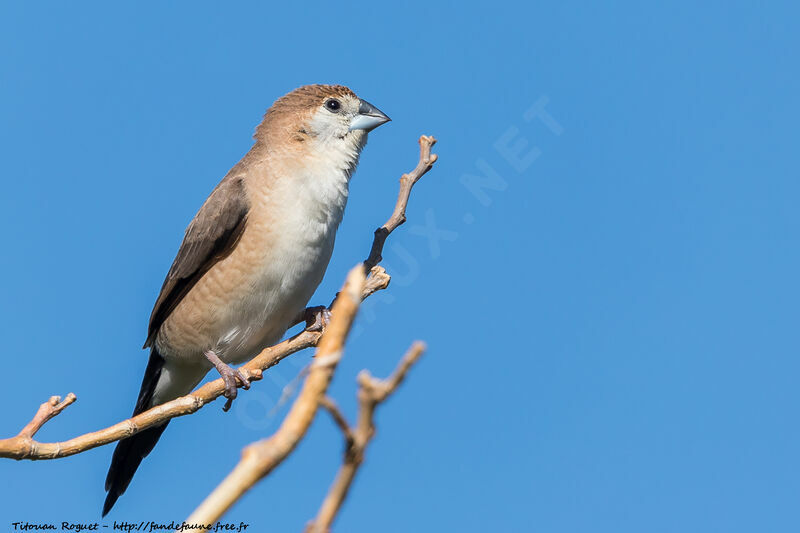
[{"x": 253, "y": 255}]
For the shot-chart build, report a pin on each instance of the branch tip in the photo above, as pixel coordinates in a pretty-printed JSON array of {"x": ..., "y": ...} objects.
[
  {"x": 407, "y": 182},
  {"x": 49, "y": 409}
]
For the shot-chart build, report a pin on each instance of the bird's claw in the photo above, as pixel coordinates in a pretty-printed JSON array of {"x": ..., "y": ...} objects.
[
  {"x": 317, "y": 318},
  {"x": 229, "y": 376}
]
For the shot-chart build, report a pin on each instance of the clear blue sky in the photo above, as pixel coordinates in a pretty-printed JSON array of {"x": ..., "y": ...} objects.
[{"x": 613, "y": 335}]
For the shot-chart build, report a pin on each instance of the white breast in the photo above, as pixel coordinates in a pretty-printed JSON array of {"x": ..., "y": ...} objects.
[{"x": 307, "y": 210}]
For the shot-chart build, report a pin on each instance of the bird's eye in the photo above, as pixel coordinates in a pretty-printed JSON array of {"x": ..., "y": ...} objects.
[{"x": 333, "y": 105}]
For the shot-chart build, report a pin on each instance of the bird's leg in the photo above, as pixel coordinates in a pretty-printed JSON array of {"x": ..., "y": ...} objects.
[
  {"x": 229, "y": 376},
  {"x": 317, "y": 318}
]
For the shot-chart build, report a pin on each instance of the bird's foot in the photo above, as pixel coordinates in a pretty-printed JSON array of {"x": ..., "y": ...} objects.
[
  {"x": 229, "y": 376},
  {"x": 317, "y": 318}
]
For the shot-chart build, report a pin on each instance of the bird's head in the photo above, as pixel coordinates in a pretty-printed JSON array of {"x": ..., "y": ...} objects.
[
  {"x": 339, "y": 112},
  {"x": 322, "y": 115}
]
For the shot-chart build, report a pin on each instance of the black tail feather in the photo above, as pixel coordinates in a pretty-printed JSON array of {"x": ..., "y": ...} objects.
[{"x": 129, "y": 452}]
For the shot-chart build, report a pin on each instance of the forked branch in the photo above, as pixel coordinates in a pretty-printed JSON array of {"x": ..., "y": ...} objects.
[
  {"x": 260, "y": 458},
  {"x": 371, "y": 393}
]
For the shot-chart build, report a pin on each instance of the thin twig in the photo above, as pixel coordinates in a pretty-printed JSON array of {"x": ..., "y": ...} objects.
[
  {"x": 330, "y": 406},
  {"x": 371, "y": 393},
  {"x": 407, "y": 181},
  {"x": 260, "y": 458},
  {"x": 49, "y": 409}
]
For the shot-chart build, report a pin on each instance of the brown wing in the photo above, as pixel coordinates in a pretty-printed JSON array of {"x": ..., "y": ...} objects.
[{"x": 210, "y": 237}]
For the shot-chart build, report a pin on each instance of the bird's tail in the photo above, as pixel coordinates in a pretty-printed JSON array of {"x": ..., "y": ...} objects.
[{"x": 130, "y": 452}]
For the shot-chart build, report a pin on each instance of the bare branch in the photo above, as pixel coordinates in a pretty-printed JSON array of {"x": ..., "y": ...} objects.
[
  {"x": 330, "y": 406},
  {"x": 377, "y": 280},
  {"x": 407, "y": 181},
  {"x": 381, "y": 389},
  {"x": 371, "y": 393},
  {"x": 22, "y": 447},
  {"x": 49, "y": 409},
  {"x": 260, "y": 458}
]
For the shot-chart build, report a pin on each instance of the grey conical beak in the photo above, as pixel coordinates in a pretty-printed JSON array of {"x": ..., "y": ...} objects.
[{"x": 369, "y": 117}]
